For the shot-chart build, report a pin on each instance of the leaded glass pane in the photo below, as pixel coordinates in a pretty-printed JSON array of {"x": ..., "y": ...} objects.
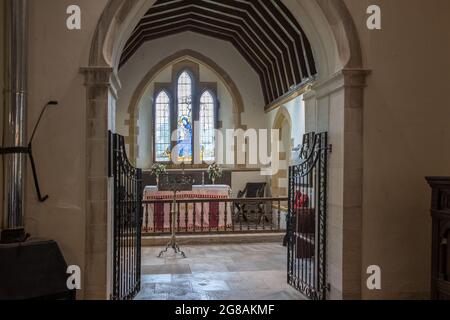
[
  {"x": 162, "y": 128},
  {"x": 185, "y": 117},
  {"x": 207, "y": 127}
]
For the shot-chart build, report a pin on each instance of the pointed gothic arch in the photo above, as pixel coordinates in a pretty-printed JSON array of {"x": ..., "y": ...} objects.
[
  {"x": 187, "y": 54},
  {"x": 280, "y": 180}
]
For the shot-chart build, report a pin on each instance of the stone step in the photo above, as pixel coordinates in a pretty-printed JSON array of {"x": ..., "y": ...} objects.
[{"x": 236, "y": 238}]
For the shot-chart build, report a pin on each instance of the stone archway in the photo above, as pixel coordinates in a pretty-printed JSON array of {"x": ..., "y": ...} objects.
[
  {"x": 339, "y": 87},
  {"x": 283, "y": 123},
  {"x": 238, "y": 103}
]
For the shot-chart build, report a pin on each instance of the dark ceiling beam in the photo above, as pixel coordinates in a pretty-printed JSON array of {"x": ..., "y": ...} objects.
[
  {"x": 254, "y": 12},
  {"x": 262, "y": 73},
  {"x": 240, "y": 24},
  {"x": 243, "y": 46},
  {"x": 265, "y": 33},
  {"x": 308, "y": 54},
  {"x": 266, "y": 57},
  {"x": 251, "y": 17}
]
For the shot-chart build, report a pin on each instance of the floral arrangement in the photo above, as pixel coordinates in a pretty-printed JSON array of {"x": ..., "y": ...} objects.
[
  {"x": 158, "y": 170},
  {"x": 214, "y": 171}
]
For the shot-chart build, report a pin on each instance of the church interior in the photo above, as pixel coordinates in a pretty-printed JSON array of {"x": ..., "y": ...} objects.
[{"x": 225, "y": 150}]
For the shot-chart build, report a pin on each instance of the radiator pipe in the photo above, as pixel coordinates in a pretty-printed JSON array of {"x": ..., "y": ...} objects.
[{"x": 15, "y": 133}]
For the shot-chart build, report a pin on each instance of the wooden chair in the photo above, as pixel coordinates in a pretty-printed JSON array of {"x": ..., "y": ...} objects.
[{"x": 252, "y": 190}]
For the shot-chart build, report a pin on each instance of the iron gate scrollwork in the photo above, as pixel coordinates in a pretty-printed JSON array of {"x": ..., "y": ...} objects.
[
  {"x": 307, "y": 218},
  {"x": 127, "y": 223}
]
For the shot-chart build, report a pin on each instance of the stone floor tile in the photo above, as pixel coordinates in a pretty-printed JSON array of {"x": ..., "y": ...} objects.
[
  {"x": 167, "y": 269},
  {"x": 247, "y": 284},
  {"x": 191, "y": 296},
  {"x": 208, "y": 267},
  {"x": 156, "y": 278},
  {"x": 175, "y": 287},
  {"x": 209, "y": 285},
  {"x": 242, "y": 266},
  {"x": 218, "y": 272},
  {"x": 153, "y": 296},
  {"x": 229, "y": 295}
]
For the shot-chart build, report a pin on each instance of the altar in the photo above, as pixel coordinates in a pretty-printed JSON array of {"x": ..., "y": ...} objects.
[{"x": 207, "y": 214}]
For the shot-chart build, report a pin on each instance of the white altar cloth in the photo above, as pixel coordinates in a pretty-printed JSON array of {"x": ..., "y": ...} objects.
[{"x": 216, "y": 216}]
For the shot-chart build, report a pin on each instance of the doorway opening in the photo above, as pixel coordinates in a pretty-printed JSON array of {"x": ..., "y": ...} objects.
[{"x": 335, "y": 94}]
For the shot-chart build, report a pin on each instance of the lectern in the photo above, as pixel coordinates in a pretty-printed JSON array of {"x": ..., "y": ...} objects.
[{"x": 174, "y": 183}]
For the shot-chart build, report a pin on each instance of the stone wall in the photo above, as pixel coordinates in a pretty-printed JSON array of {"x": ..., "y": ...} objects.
[
  {"x": 55, "y": 57},
  {"x": 220, "y": 52},
  {"x": 406, "y": 137}
]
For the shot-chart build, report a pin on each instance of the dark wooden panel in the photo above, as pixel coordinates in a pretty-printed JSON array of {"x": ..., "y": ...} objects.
[
  {"x": 440, "y": 264},
  {"x": 444, "y": 200},
  {"x": 443, "y": 288}
]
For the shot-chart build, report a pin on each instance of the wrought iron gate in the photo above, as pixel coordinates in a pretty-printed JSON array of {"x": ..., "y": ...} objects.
[
  {"x": 127, "y": 222},
  {"x": 307, "y": 218}
]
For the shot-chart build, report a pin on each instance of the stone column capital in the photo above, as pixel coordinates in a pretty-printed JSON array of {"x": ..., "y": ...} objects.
[
  {"x": 355, "y": 77},
  {"x": 101, "y": 77},
  {"x": 345, "y": 78}
]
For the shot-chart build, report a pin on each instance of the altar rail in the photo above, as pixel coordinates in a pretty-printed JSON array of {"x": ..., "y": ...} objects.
[{"x": 234, "y": 215}]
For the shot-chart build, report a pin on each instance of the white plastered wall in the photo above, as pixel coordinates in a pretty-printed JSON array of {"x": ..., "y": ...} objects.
[{"x": 221, "y": 52}]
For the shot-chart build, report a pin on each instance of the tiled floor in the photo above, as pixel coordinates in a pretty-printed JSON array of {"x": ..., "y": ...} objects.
[{"x": 217, "y": 272}]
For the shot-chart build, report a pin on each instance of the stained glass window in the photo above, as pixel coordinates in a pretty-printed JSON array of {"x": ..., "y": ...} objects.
[
  {"x": 175, "y": 111},
  {"x": 162, "y": 128},
  {"x": 184, "y": 93},
  {"x": 207, "y": 127}
]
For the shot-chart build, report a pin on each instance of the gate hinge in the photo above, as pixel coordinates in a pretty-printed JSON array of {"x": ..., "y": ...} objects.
[{"x": 330, "y": 148}]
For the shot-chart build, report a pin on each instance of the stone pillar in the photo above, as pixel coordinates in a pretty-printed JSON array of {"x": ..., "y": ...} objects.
[
  {"x": 310, "y": 111},
  {"x": 133, "y": 134},
  {"x": 336, "y": 105},
  {"x": 352, "y": 269},
  {"x": 101, "y": 85}
]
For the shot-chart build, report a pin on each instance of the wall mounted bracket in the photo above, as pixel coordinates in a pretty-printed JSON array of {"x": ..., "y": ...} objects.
[{"x": 29, "y": 151}]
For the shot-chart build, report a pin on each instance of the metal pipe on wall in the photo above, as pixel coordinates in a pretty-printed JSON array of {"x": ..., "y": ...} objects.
[{"x": 15, "y": 118}]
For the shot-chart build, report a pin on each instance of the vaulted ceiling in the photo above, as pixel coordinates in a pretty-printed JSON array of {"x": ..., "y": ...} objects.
[{"x": 264, "y": 32}]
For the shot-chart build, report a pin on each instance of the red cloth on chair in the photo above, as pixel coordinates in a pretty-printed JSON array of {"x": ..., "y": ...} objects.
[{"x": 301, "y": 200}]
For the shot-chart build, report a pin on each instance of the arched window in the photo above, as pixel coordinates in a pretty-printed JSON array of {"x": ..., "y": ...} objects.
[
  {"x": 207, "y": 127},
  {"x": 162, "y": 128},
  {"x": 177, "y": 107},
  {"x": 184, "y": 118}
]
